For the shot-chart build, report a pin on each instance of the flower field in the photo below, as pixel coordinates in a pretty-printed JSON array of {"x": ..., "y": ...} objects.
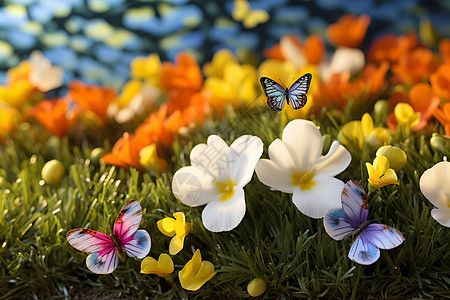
[{"x": 196, "y": 178}]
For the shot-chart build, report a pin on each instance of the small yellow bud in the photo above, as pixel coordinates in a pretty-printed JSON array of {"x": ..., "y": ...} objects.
[
  {"x": 381, "y": 111},
  {"x": 256, "y": 287},
  {"x": 440, "y": 143},
  {"x": 395, "y": 155},
  {"x": 53, "y": 172},
  {"x": 96, "y": 155}
]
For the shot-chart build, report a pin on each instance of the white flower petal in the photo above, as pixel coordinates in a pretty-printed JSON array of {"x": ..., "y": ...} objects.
[
  {"x": 212, "y": 157},
  {"x": 280, "y": 155},
  {"x": 304, "y": 142},
  {"x": 274, "y": 175},
  {"x": 194, "y": 186},
  {"x": 442, "y": 216},
  {"x": 434, "y": 184},
  {"x": 324, "y": 195},
  {"x": 293, "y": 53},
  {"x": 243, "y": 156},
  {"x": 220, "y": 215},
  {"x": 337, "y": 160},
  {"x": 347, "y": 59}
]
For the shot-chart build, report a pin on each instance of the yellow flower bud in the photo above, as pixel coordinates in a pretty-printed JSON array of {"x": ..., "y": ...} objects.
[
  {"x": 53, "y": 172},
  {"x": 256, "y": 287},
  {"x": 96, "y": 154},
  {"x": 395, "y": 155},
  {"x": 440, "y": 143},
  {"x": 381, "y": 111},
  {"x": 405, "y": 115},
  {"x": 149, "y": 159}
]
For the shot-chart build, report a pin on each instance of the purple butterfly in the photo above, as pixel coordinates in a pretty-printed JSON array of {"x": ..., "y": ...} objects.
[
  {"x": 276, "y": 94},
  {"x": 351, "y": 220},
  {"x": 106, "y": 248}
]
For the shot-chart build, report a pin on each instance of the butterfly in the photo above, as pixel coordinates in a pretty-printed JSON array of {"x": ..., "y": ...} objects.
[
  {"x": 106, "y": 249},
  {"x": 276, "y": 94},
  {"x": 351, "y": 220},
  {"x": 250, "y": 18}
]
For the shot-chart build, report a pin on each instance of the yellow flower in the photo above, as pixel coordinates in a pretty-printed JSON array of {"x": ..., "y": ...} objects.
[
  {"x": 380, "y": 174},
  {"x": 196, "y": 272},
  {"x": 17, "y": 93},
  {"x": 178, "y": 228},
  {"x": 256, "y": 287},
  {"x": 395, "y": 155},
  {"x": 148, "y": 158},
  {"x": 237, "y": 87},
  {"x": 220, "y": 60},
  {"x": 162, "y": 267},
  {"x": 9, "y": 117},
  {"x": 146, "y": 68},
  {"x": 361, "y": 132},
  {"x": 405, "y": 116}
]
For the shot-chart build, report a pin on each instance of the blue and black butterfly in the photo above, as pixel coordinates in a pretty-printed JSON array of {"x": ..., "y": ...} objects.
[{"x": 276, "y": 94}]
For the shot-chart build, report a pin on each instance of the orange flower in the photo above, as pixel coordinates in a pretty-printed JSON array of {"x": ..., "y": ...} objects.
[
  {"x": 184, "y": 74},
  {"x": 53, "y": 115},
  {"x": 312, "y": 52},
  {"x": 391, "y": 48},
  {"x": 421, "y": 98},
  {"x": 152, "y": 129},
  {"x": 274, "y": 52},
  {"x": 440, "y": 81},
  {"x": 349, "y": 31},
  {"x": 124, "y": 153},
  {"x": 444, "y": 49},
  {"x": 375, "y": 76},
  {"x": 335, "y": 90},
  {"x": 415, "y": 66},
  {"x": 198, "y": 109},
  {"x": 92, "y": 98},
  {"x": 314, "y": 49},
  {"x": 443, "y": 116}
]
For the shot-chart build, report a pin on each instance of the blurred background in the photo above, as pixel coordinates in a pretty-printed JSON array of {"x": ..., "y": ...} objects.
[{"x": 95, "y": 40}]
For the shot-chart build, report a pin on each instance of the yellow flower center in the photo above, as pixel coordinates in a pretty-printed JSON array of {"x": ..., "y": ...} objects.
[
  {"x": 304, "y": 180},
  {"x": 226, "y": 189}
]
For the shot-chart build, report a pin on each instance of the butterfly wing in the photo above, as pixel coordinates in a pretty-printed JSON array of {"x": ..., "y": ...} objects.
[
  {"x": 382, "y": 236},
  {"x": 337, "y": 224},
  {"x": 139, "y": 246},
  {"x": 137, "y": 243},
  {"x": 274, "y": 92},
  {"x": 103, "y": 259},
  {"x": 363, "y": 252},
  {"x": 354, "y": 203},
  {"x": 298, "y": 90}
]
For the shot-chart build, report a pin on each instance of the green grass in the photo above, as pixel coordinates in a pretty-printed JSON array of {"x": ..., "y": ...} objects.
[{"x": 292, "y": 252}]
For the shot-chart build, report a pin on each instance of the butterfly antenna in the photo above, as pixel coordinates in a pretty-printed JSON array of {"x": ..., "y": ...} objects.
[{"x": 293, "y": 78}]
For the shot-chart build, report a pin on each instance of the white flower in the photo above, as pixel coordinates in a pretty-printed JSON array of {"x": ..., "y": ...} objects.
[
  {"x": 343, "y": 60},
  {"x": 43, "y": 75},
  {"x": 297, "y": 166},
  {"x": 217, "y": 177},
  {"x": 434, "y": 184}
]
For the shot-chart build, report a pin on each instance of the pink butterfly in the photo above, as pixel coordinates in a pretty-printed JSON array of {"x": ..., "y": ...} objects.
[{"x": 105, "y": 248}]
